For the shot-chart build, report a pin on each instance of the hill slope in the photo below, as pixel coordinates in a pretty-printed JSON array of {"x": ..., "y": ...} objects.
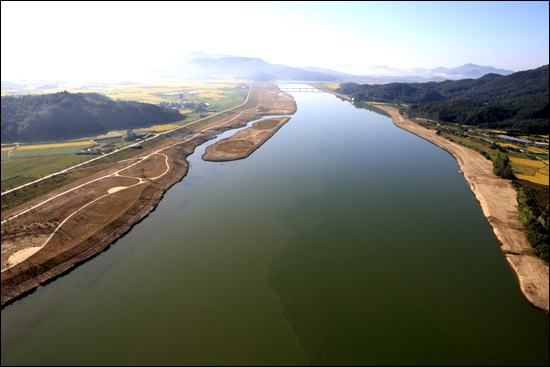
[
  {"x": 517, "y": 102},
  {"x": 65, "y": 115},
  {"x": 521, "y": 87}
]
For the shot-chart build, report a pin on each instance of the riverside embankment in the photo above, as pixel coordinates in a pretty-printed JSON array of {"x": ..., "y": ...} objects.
[
  {"x": 498, "y": 200},
  {"x": 94, "y": 211}
]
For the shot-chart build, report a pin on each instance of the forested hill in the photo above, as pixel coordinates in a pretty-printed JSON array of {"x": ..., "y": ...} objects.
[
  {"x": 521, "y": 87},
  {"x": 65, "y": 115},
  {"x": 517, "y": 102}
]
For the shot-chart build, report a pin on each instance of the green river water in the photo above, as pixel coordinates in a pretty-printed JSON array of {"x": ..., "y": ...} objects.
[{"x": 342, "y": 240}]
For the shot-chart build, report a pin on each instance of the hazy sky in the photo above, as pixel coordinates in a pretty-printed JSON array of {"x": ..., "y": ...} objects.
[{"x": 110, "y": 40}]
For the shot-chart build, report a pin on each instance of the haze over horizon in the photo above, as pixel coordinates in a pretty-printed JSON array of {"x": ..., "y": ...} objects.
[{"x": 114, "y": 42}]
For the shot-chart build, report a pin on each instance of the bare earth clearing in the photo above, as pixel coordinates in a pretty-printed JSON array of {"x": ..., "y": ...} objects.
[
  {"x": 243, "y": 143},
  {"x": 498, "y": 200},
  {"x": 48, "y": 235}
]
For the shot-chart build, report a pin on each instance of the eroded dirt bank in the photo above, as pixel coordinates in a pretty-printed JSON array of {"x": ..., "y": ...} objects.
[{"x": 498, "y": 200}]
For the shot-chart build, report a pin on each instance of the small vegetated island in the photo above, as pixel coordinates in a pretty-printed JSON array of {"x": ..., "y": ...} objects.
[
  {"x": 497, "y": 129},
  {"x": 243, "y": 143},
  {"x": 61, "y": 220}
]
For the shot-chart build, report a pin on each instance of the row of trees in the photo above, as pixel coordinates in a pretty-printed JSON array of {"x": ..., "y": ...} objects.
[
  {"x": 65, "y": 115},
  {"x": 536, "y": 198}
]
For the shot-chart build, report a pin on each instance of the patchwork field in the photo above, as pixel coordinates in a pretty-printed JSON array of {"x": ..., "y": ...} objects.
[
  {"x": 165, "y": 91},
  {"x": 529, "y": 170}
]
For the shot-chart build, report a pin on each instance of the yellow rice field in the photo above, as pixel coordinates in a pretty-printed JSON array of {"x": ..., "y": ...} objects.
[
  {"x": 333, "y": 85},
  {"x": 209, "y": 94},
  {"x": 43, "y": 146},
  {"x": 538, "y": 168},
  {"x": 528, "y": 162},
  {"x": 497, "y": 131},
  {"x": 185, "y": 111},
  {"x": 161, "y": 127},
  {"x": 140, "y": 92},
  {"x": 537, "y": 178}
]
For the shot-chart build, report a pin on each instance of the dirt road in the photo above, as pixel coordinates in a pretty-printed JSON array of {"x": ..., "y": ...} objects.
[{"x": 498, "y": 200}]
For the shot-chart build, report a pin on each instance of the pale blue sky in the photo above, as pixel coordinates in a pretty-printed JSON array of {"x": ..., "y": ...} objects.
[{"x": 118, "y": 40}]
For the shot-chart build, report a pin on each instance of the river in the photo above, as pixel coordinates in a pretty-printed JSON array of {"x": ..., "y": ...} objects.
[{"x": 342, "y": 240}]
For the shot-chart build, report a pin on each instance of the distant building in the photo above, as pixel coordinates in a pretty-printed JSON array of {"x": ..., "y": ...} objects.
[
  {"x": 130, "y": 135},
  {"x": 514, "y": 139}
]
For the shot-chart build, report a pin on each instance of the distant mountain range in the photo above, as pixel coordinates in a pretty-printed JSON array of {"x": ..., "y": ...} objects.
[
  {"x": 200, "y": 65},
  {"x": 203, "y": 65},
  {"x": 226, "y": 66},
  {"x": 467, "y": 71}
]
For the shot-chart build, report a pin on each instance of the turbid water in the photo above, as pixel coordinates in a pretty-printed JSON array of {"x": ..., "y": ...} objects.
[{"x": 342, "y": 240}]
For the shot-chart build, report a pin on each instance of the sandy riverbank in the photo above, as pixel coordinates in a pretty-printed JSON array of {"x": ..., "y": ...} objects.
[{"x": 498, "y": 200}]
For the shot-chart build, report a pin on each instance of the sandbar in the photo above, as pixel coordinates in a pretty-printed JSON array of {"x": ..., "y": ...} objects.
[{"x": 246, "y": 141}]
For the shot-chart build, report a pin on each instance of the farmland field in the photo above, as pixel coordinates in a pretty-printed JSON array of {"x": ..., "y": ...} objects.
[
  {"x": 332, "y": 85},
  {"x": 529, "y": 170},
  {"x": 19, "y": 171},
  {"x": 161, "y": 127},
  {"x": 46, "y": 151},
  {"x": 168, "y": 91},
  {"x": 528, "y": 162},
  {"x": 78, "y": 144},
  {"x": 538, "y": 178}
]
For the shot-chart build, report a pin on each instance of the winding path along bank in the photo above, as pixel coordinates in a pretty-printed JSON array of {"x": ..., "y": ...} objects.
[{"x": 498, "y": 200}]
